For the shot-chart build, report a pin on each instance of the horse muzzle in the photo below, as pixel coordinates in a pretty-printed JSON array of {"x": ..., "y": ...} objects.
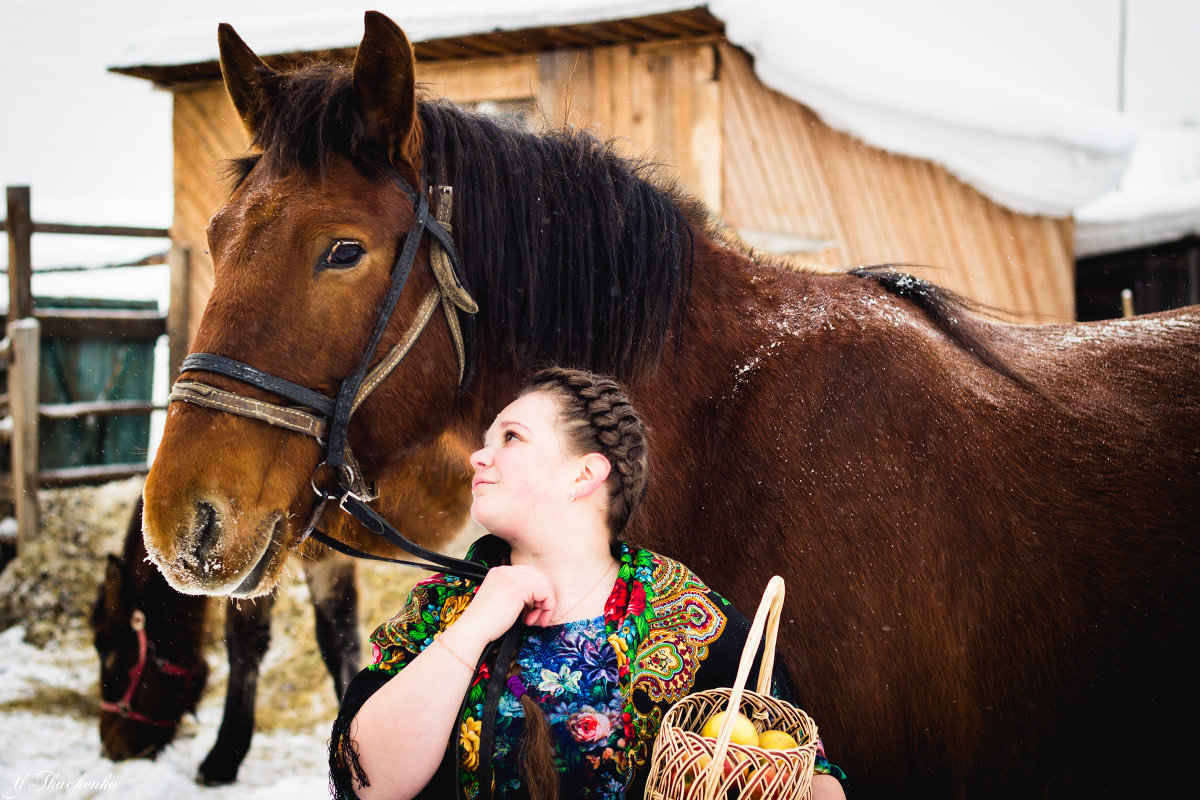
[{"x": 210, "y": 549}]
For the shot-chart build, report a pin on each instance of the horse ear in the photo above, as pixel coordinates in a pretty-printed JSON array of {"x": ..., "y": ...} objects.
[
  {"x": 108, "y": 596},
  {"x": 384, "y": 85},
  {"x": 247, "y": 77},
  {"x": 113, "y": 573}
]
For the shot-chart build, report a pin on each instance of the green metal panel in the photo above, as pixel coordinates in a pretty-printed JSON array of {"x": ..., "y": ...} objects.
[{"x": 89, "y": 370}]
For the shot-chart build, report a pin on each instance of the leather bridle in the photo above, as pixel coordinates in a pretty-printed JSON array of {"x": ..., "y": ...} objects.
[
  {"x": 124, "y": 706},
  {"x": 326, "y": 419}
]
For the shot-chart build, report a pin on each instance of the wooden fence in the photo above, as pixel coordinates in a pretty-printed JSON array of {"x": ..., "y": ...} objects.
[{"x": 21, "y": 410}]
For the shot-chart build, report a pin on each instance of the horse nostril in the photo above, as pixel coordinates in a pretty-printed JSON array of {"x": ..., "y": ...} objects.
[{"x": 206, "y": 529}]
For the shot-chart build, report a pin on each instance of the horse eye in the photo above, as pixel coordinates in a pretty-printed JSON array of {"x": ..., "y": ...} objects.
[{"x": 344, "y": 253}]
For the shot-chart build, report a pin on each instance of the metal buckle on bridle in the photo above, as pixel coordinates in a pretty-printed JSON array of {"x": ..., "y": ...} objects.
[
  {"x": 346, "y": 496},
  {"x": 348, "y": 480}
]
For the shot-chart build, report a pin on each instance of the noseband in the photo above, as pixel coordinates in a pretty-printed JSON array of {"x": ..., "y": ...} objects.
[
  {"x": 327, "y": 420},
  {"x": 124, "y": 706}
]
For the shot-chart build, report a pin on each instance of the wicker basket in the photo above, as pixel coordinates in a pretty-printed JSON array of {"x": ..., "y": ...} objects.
[{"x": 688, "y": 766}]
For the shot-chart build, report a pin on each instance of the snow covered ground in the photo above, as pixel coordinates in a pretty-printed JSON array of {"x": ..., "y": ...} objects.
[
  {"x": 56, "y": 752},
  {"x": 49, "y": 692}
]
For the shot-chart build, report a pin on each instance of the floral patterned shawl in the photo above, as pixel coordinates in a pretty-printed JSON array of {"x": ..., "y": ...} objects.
[{"x": 672, "y": 636}]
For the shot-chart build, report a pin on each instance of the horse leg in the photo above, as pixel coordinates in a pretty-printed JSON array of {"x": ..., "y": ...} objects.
[
  {"x": 335, "y": 603},
  {"x": 247, "y": 636}
]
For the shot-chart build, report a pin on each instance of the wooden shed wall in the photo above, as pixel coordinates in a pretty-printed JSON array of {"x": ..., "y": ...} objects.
[
  {"x": 756, "y": 157},
  {"x": 786, "y": 171}
]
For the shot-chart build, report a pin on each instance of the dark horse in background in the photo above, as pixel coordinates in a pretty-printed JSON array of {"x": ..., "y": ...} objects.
[
  {"x": 990, "y": 532},
  {"x": 150, "y": 638}
]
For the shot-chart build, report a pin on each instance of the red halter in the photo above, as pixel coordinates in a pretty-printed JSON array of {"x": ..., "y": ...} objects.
[{"x": 124, "y": 707}]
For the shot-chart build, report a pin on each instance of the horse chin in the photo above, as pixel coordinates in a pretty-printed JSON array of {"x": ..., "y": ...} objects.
[
  {"x": 263, "y": 576},
  {"x": 211, "y": 556},
  {"x": 122, "y": 739}
]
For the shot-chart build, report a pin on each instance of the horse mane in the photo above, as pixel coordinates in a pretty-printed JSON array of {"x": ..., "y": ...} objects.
[
  {"x": 576, "y": 254},
  {"x": 950, "y": 313}
]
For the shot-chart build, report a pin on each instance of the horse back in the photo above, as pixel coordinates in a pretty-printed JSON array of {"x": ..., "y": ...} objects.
[{"x": 1006, "y": 550}]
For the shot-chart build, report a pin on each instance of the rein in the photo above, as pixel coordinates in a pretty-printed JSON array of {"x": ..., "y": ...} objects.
[
  {"x": 124, "y": 706},
  {"x": 327, "y": 420}
]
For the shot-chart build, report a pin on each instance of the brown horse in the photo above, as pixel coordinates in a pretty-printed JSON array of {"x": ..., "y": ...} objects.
[{"x": 990, "y": 532}]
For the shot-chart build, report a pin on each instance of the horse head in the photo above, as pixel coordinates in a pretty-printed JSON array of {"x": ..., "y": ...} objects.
[
  {"x": 152, "y": 667},
  {"x": 304, "y": 253}
]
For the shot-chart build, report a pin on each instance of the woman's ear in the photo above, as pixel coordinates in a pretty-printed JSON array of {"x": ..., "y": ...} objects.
[{"x": 593, "y": 471}]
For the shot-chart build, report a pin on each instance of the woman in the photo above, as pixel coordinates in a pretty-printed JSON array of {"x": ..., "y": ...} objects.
[{"x": 611, "y": 635}]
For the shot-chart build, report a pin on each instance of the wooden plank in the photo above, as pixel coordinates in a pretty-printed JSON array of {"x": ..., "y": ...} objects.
[
  {"x": 661, "y": 79},
  {"x": 564, "y": 80},
  {"x": 178, "y": 338},
  {"x": 25, "y": 335},
  {"x": 20, "y": 264},
  {"x": 560, "y": 36},
  {"x": 206, "y": 132},
  {"x": 85, "y": 323},
  {"x": 504, "y": 78},
  {"x": 101, "y": 408},
  {"x": 78, "y": 476},
  {"x": 641, "y": 103},
  {"x": 775, "y": 178},
  {"x": 101, "y": 230},
  {"x": 622, "y": 115},
  {"x": 706, "y": 144},
  {"x": 787, "y": 171},
  {"x": 601, "y": 118}
]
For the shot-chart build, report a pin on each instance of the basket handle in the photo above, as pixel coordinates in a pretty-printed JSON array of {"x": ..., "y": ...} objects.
[{"x": 767, "y": 617}]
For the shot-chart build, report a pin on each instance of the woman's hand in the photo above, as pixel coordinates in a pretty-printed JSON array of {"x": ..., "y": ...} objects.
[{"x": 506, "y": 593}]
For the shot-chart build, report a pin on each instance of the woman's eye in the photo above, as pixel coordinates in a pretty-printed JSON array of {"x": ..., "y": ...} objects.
[
  {"x": 343, "y": 254},
  {"x": 509, "y": 436}
]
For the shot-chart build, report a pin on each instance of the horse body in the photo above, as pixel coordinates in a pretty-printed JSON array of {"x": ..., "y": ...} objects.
[
  {"x": 989, "y": 531},
  {"x": 964, "y": 554}
]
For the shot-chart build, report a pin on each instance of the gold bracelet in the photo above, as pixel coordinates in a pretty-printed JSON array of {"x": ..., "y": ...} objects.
[{"x": 461, "y": 660}]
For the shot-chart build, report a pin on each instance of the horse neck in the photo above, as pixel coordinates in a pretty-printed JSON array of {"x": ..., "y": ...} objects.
[
  {"x": 691, "y": 401},
  {"x": 721, "y": 279}
]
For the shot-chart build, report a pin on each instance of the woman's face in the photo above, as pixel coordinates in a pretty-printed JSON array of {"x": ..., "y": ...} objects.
[{"x": 521, "y": 472}]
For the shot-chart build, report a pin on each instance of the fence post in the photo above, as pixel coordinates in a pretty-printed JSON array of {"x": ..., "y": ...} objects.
[
  {"x": 20, "y": 264},
  {"x": 180, "y": 261},
  {"x": 25, "y": 335}
]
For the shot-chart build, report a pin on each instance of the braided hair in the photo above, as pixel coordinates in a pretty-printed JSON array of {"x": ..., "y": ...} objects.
[{"x": 596, "y": 416}]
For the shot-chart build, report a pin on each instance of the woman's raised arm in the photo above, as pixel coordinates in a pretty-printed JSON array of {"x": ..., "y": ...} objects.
[{"x": 401, "y": 731}]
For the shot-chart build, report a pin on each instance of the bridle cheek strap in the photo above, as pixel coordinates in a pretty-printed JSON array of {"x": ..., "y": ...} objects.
[
  {"x": 289, "y": 417},
  {"x": 124, "y": 706}
]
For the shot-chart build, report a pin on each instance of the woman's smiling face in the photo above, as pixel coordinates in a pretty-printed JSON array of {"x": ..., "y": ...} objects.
[{"x": 521, "y": 471}]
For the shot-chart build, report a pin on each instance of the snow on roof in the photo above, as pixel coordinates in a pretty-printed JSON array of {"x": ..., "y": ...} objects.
[
  {"x": 1158, "y": 199},
  {"x": 1027, "y": 150},
  {"x": 325, "y": 26}
]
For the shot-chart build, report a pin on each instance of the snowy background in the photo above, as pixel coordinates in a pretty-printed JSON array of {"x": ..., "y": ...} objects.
[{"x": 1106, "y": 88}]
